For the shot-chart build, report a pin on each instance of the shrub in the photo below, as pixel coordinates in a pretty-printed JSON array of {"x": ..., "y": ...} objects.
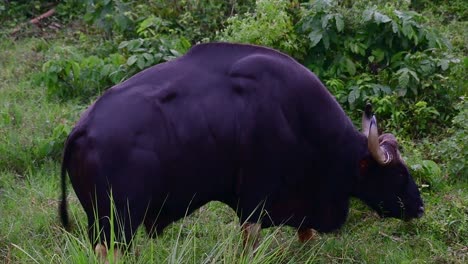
[
  {"x": 385, "y": 54},
  {"x": 453, "y": 150},
  {"x": 111, "y": 16},
  {"x": 381, "y": 53},
  {"x": 81, "y": 77},
  {"x": 270, "y": 25},
  {"x": 84, "y": 77},
  {"x": 143, "y": 53},
  {"x": 200, "y": 20},
  {"x": 196, "y": 20}
]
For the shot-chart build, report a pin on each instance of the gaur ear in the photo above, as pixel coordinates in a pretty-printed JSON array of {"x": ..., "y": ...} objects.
[
  {"x": 379, "y": 153},
  {"x": 366, "y": 119},
  {"x": 363, "y": 168}
]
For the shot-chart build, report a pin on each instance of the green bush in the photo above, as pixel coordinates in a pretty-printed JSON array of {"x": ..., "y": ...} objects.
[
  {"x": 385, "y": 54},
  {"x": 111, "y": 16},
  {"x": 195, "y": 20},
  {"x": 143, "y": 53},
  {"x": 270, "y": 25},
  {"x": 84, "y": 77},
  {"x": 81, "y": 77},
  {"x": 198, "y": 20},
  {"x": 365, "y": 51},
  {"x": 52, "y": 146},
  {"x": 453, "y": 150}
]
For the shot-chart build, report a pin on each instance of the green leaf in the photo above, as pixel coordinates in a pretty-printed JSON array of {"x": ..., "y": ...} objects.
[
  {"x": 141, "y": 62},
  {"x": 148, "y": 22},
  {"x": 353, "y": 95},
  {"x": 148, "y": 57},
  {"x": 132, "y": 60},
  {"x": 444, "y": 64},
  {"x": 121, "y": 21},
  {"x": 415, "y": 76},
  {"x": 339, "y": 22},
  {"x": 117, "y": 59},
  {"x": 362, "y": 49},
  {"x": 431, "y": 168},
  {"x": 381, "y": 18},
  {"x": 67, "y": 69},
  {"x": 326, "y": 41},
  {"x": 76, "y": 69},
  {"x": 378, "y": 87},
  {"x": 106, "y": 70},
  {"x": 134, "y": 44},
  {"x": 367, "y": 14},
  {"x": 379, "y": 54},
  {"x": 408, "y": 31},
  {"x": 325, "y": 21},
  {"x": 414, "y": 89},
  {"x": 88, "y": 17},
  {"x": 157, "y": 57},
  {"x": 403, "y": 78},
  {"x": 175, "y": 52},
  {"x": 350, "y": 66},
  {"x": 123, "y": 44},
  {"x": 385, "y": 89},
  {"x": 394, "y": 27},
  {"x": 397, "y": 56},
  {"x": 315, "y": 36},
  {"x": 402, "y": 92}
]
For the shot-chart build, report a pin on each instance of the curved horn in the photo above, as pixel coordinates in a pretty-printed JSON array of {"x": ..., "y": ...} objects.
[
  {"x": 366, "y": 119},
  {"x": 377, "y": 152}
]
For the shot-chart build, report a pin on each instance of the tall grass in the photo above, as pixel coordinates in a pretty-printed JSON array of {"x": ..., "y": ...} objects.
[
  {"x": 184, "y": 242},
  {"x": 30, "y": 232}
]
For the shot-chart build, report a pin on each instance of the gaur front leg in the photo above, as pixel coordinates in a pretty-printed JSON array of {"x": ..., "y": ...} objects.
[
  {"x": 305, "y": 234},
  {"x": 251, "y": 234}
]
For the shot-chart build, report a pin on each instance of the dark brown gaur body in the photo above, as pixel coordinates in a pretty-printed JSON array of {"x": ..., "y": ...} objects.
[{"x": 241, "y": 124}]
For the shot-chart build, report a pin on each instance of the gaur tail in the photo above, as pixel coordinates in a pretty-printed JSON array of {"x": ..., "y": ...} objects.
[{"x": 63, "y": 212}]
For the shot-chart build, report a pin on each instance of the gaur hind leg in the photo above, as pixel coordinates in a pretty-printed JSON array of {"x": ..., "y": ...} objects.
[
  {"x": 253, "y": 202},
  {"x": 113, "y": 230},
  {"x": 99, "y": 230},
  {"x": 250, "y": 215}
]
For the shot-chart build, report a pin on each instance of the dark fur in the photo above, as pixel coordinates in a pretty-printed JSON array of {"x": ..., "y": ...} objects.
[{"x": 241, "y": 124}]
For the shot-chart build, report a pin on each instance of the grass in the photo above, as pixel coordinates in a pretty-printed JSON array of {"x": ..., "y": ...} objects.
[{"x": 30, "y": 230}]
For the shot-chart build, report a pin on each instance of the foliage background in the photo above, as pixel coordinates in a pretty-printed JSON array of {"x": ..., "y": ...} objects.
[{"x": 409, "y": 58}]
